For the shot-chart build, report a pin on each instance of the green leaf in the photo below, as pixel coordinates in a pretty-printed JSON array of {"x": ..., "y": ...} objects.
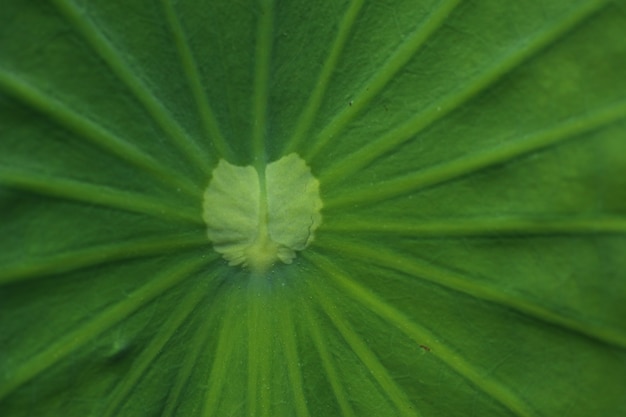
[{"x": 471, "y": 255}]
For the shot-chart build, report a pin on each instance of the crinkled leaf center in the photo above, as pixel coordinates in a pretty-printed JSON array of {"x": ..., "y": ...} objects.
[{"x": 256, "y": 218}]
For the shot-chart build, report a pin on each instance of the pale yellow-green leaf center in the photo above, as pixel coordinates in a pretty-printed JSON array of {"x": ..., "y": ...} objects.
[{"x": 256, "y": 217}]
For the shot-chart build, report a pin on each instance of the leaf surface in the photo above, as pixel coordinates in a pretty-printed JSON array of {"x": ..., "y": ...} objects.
[{"x": 471, "y": 159}]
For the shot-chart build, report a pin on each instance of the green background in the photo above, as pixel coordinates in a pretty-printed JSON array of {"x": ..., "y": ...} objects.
[{"x": 472, "y": 162}]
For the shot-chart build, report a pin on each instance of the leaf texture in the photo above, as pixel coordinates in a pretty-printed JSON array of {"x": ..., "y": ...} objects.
[{"x": 471, "y": 256}]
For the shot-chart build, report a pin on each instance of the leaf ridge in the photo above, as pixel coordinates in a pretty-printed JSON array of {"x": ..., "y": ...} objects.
[
  {"x": 190, "y": 68},
  {"x": 259, "y": 348},
  {"x": 472, "y": 163},
  {"x": 71, "y": 120},
  {"x": 290, "y": 349},
  {"x": 478, "y": 227},
  {"x": 375, "y": 85},
  {"x": 198, "y": 345},
  {"x": 223, "y": 358},
  {"x": 327, "y": 362},
  {"x": 307, "y": 117},
  {"x": 366, "y": 355},
  {"x": 351, "y": 164},
  {"x": 101, "y": 254},
  {"x": 458, "y": 282},
  {"x": 86, "y": 332},
  {"x": 420, "y": 335},
  {"x": 108, "y": 52},
  {"x": 95, "y": 194},
  {"x": 147, "y": 357},
  {"x": 263, "y": 52}
]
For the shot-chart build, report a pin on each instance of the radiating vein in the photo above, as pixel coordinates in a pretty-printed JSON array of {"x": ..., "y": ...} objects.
[
  {"x": 420, "y": 335},
  {"x": 86, "y": 129},
  {"x": 263, "y": 52},
  {"x": 114, "y": 59},
  {"x": 528, "y": 48},
  {"x": 222, "y": 360},
  {"x": 253, "y": 355},
  {"x": 76, "y": 259},
  {"x": 96, "y": 325},
  {"x": 190, "y": 67},
  {"x": 96, "y": 194},
  {"x": 368, "y": 358},
  {"x": 471, "y": 227},
  {"x": 475, "y": 162},
  {"x": 386, "y": 73},
  {"x": 460, "y": 282},
  {"x": 290, "y": 349},
  {"x": 197, "y": 346},
  {"x": 259, "y": 348},
  {"x": 147, "y": 357},
  {"x": 327, "y": 363},
  {"x": 306, "y": 119}
]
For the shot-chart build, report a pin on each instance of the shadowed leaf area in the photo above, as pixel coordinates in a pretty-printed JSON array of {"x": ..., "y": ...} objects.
[{"x": 470, "y": 258}]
